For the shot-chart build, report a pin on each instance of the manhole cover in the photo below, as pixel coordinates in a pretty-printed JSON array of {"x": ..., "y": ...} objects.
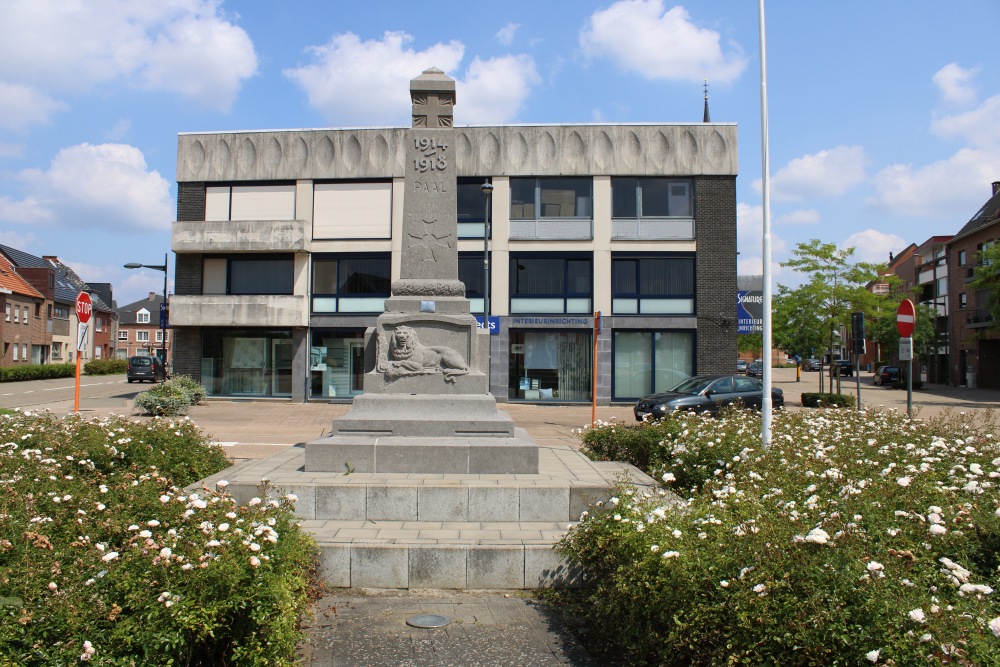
[{"x": 428, "y": 621}]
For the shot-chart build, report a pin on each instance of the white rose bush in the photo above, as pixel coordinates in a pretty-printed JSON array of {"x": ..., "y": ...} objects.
[
  {"x": 105, "y": 559},
  {"x": 855, "y": 538}
]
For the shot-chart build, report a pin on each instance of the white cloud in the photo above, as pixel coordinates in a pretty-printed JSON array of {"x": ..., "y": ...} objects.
[
  {"x": 88, "y": 186},
  {"x": 506, "y": 34},
  {"x": 493, "y": 90},
  {"x": 641, "y": 37},
  {"x": 960, "y": 183},
  {"x": 955, "y": 84},
  {"x": 750, "y": 232},
  {"x": 824, "y": 174},
  {"x": 806, "y": 216},
  {"x": 21, "y": 106},
  {"x": 129, "y": 285},
  {"x": 355, "y": 82},
  {"x": 871, "y": 245},
  {"x": 179, "y": 46},
  {"x": 979, "y": 128},
  {"x": 11, "y": 150},
  {"x": 18, "y": 240}
]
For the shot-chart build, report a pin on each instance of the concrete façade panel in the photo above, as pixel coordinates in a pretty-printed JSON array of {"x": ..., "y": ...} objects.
[
  {"x": 240, "y": 236},
  {"x": 513, "y": 150},
  {"x": 496, "y": 567},
  {"x": 440, "y": 567},
  {"x": 219, "y": 310},
  {"x": 380, "y": 566},
  {"x": 335, "y": 565}
]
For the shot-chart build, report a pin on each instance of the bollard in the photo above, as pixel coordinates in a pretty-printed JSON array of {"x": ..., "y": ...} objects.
[{"x": 798, "y": 373}]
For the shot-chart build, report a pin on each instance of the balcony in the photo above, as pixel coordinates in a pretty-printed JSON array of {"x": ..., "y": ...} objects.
[
  {"x": 979, "y": 319},
  {"x": 220, "y": 310},
  {"x": 652, "y": 229},
  {"x": 240, "y": 236}
]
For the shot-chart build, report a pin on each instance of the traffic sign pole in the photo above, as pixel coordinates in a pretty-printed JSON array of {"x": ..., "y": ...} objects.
[
  {"x": 84, "y": 307},
  {"x": 906, "y": 318}
]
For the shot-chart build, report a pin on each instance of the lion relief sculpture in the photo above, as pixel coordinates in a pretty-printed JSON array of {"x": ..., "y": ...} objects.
[{"x": 406, "y": 355}]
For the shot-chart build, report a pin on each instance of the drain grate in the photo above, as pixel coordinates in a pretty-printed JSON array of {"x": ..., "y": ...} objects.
[{"x": 427, "y": 621}]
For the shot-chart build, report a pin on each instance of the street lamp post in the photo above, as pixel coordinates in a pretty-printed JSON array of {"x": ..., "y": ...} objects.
[
  {"x": 163, "y": 321},
  {"x": 487, "y": 189}
]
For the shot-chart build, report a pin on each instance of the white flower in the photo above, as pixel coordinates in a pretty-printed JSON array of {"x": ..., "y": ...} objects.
[
  {"x": 110, "y": 556},
  {"x": 671, "y": 554},
  {"x": 669, "y": 477},
  {"x": 223, "y": 527},
  {"x": 145, "y": 533},
  {"x": 53, "y": 587},
  {"x": 640, "y": 527},
  {"x": 292, "y": 497},
  {"x": 164, "y": 498},
  {"x": 88, "y": 651},
  {"x": 617, "y": 517},
  {"x": 817, "y": 536},
  {"x": 676, "y": 533},
  {"x": 254, "y": 546},
  {"x": 222, "y": 483},
  {"x": 165, "y": 552},
  {"x": 937, "y": 529},
  {"x": 874, "y": 566},
  {"x": 904, "y": 481},
  {"x": 152, "y": 523},
  {"x": 724, "y": 583},
  {"x": 872, "y": 656},
  {"x": 994, "y": 626},
  {"x": 254, "y": 501},
  {"x": 917, "y": 615},
  {"x": 654, "y": 548},
  {"x": 254, "y": 561}
]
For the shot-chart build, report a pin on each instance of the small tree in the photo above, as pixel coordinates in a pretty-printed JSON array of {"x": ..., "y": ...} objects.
[
  {"x": 987, "y": 280},
  {"x": 750, "y": 343}
]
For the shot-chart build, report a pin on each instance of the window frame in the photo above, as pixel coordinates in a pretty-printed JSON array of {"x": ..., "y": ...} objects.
[
  {"x": 142, "y": 336},
  {"x": 474, "y": 224},
  {"x": 288, "y": 258},
  {"x": 142, "y": 316},
  {"x": 658, "y": 304},
  {"x": 348, "y": 302},
  {"x": 537, "y": 203},
  {"x": 123, "y": 335},
  {"x": 639, "y": 197},
  {"x": 571, "y": 299}
]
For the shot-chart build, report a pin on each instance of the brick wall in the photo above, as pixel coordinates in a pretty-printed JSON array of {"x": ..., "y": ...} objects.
[
  {"x": 187, "y": 352},
  {"x": 715, "y": 272},
  {"x": 187, "y": 274},
  {"x": 190, "y": 202}
]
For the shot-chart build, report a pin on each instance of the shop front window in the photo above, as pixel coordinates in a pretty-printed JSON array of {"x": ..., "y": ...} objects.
[
  {"x": 541, "y": 284},
  {"x": 336, "y": 363},
  {"x": 550, "y": 365},
  {"x": 647, "y": 362},
  {"x": 248, "y": 362}
]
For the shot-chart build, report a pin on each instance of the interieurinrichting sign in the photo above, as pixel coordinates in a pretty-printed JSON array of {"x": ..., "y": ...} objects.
[{"x": 749, "y": 312}]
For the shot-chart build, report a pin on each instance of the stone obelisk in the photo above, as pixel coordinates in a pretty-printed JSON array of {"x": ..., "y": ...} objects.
[{"x": 426, "y": 406}]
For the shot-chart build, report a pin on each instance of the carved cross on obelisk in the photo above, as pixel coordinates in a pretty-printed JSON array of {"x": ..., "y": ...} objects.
[{"x": 429, "y": 257}]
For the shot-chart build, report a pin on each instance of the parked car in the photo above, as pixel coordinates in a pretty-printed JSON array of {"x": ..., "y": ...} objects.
[
  {"x": 810, "y": 365},
  {"x": 741, "y": 366},
  {"x": 887, "y": 375},
  {"x": 755, "y": 369},
  {"x": 707, "y": 394},
  {"x": 145, "y": 368},
  {"x": 845, "y": 366}
]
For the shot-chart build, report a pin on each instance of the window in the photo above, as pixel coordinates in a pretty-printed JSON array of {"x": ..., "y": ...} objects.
[
  {"x": 651, "y": 198},
  {"x": 97, "y": 352},
  {"x": 250, "y": 202},
  {"x": 123, "y": 334},
  {"x": 471, "y": 272},
  {"x": 24, "y": 315},
  {"x": 98, "y": 324},
  {"x": 961, "y": 258},
  {"x": 963, "y": 301},
  {"x": 142, "y": 336},
  {"x": 337, "y": 363},
  {"x": 471, "y": 207},
  {"x": 15, "y": 351},
  {"x": 350, "y": 283},
  {"x": 57, "y": 350},
  {"x": 550, "y": 365},
  {"x": 38, "y": 311},
  {"x": 17, "y": 313},
  {"x": 24, "y": 351},
  {"x": 6, "y": 312},
  {"x": 533, "y": 198},
  {"x": 142, "y": 317},
  {"x": 551, "y": 284},
  {"x": 646, "y": 362},
  {"x": 248, "y": 274},
  {"x": 60, "y": 313},
  {"x": 352, "y": 210},
  {"x": 652, "y": 285},
  {"x": 159, "y": 336}
]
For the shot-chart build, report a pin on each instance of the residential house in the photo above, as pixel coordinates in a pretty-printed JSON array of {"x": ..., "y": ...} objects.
[
  {"x": 139, "y": 331},
  {"x": 931, "y": 290},
  {"x": 23, "y": 320}
]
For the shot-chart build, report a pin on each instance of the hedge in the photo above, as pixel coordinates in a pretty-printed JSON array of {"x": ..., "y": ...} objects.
[
  {"x": 816, "y": 400},
  {"x": 106, "y": 367},
  {"x": 36, "y": 372}
]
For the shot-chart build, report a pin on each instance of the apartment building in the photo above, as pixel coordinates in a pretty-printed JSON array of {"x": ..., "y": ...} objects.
[{"x": 287, "y": 243}]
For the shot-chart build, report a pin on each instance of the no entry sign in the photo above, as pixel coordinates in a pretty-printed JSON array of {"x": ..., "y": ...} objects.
[
  {"x": 83, "y": 307},
  {"x": 905, "y": 317}
]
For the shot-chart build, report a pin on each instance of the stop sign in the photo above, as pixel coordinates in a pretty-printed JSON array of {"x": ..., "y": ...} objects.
[
  {"x": 905, "y": 316},
  {"x": 83, "y": 307}
]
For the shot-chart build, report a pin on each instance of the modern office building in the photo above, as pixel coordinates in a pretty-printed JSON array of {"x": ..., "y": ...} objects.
[{"x": 287, "y": 243}]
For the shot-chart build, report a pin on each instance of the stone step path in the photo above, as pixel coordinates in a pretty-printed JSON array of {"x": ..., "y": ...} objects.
[{"x": 444, "y": 531}]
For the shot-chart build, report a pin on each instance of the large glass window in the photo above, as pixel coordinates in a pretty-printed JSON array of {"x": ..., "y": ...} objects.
[
  {"x": 471, "y": 207},
  {"x": 252, "y": 362},
  {"x": 551, "y": 284},
  {"x": 651, "y": 198},
  {"x": 533, "y": 198},
  {"x": 647, "y": 362},
  {"x": 254, "y": 274},
  {"x": 337, "y": 363},
  {"x": 550, "y": 365},
  {"x": 652, "y": 285},
  {"x": 350, "y": 283},
  {"x": 472, "y": 272}
]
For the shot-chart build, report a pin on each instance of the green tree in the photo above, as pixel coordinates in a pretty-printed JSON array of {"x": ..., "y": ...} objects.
[
  {"x": 836, "y": 287},
  {"x": 987, "y": 281},
  {"x": 750, "y": 343}
]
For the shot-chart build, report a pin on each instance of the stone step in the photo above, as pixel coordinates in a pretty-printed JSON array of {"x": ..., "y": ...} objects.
[
  {"x": 419, "y": 530},
  {"x": 447, "y": 555}
]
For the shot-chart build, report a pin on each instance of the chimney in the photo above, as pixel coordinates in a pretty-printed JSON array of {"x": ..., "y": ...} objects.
[
  {"x": 996, "y": 187},
  {"x": 152, "y": 296},
  {"x": 56, "y": 259}
]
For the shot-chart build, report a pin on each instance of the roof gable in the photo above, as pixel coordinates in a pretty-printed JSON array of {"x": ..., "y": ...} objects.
[{"x": 11, "y": 280}]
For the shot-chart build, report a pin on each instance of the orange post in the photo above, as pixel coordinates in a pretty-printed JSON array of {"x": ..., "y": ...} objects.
[
  {"x": 593, "y": 373},
  {"x": 76, "y": 394}
]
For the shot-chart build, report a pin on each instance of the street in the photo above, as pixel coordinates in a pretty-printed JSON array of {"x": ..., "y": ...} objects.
[{"x": 100, "y": 392}]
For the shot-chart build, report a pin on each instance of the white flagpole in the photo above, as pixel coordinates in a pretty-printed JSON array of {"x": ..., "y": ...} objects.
[{"x": 766, "y": 407}]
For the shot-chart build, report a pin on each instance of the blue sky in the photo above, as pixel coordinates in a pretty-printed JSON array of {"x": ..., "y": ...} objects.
[{"x": 884, "y": 116}]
